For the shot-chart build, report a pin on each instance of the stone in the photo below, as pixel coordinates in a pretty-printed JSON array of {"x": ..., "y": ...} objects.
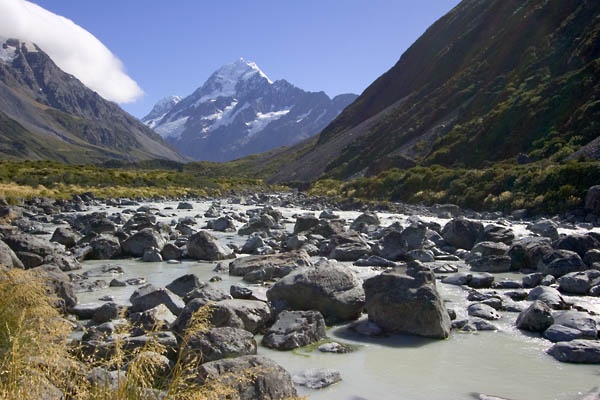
[
  {"x": 462, "y": 233},
  {"x": 140, "y": 221},
  {"x": 8, "y": 257},
  {"x": 203, "y": 246},
  {"x": 222, "y": 224},
  {"x": 65, "y": 236},
  {"x": 496, "y": 234},
  {"x": 335, "y": 347},
  {"x": 107, "y": 312},
  {"x": 170, "y": 251},
  {"x": 219, "y": 343},
  {"x": 592, "y": 199},
  {"x": 545, "y": 228},
  {"x": 207, "y": 292},
  {"x": 421, "y": 255},
  {"x": 532, "y": 280},
  {"x": 562, "y": 262},
  {"x": 550, "y": 296},
  {"x": 185, "y": 206},
  {"x": 153, "y": 319},
  {"x": 251, "y": 315},
  {"x": 184, "y": 284},
  {"x": 578, "y": 351},
  {"x": 104, "y": 247},
  {"x": 580, "y": 321},
  {"x": 27, "y": 243},
  {"x": 152, "y": 255},
  {"x": 483, "y": 311},
  {"x": 490, "y": 249},
  {"x": 59, "y": 284},
  {"x": 317, "y": 378},
  {"x": 350, "y": 251},
  {"x": 491, "y": 263},
  {"x": 294, "y": 329},
  {"x": 578, "y": 243},
  {"x": 535, "y": 318},
  {"x": 578, "y": 282},
  {"x": 560, "y": 333},
  {"x": 148, "y": 296},
  {"x": 363, "y": 221},
  {"x": 327, "y": 287},
  {"x": 592, "y": 256},
  {"x": 392, "y": 246},
  {"x": 136, "y": 244},
  {"x": 268, "y": 267},
  {"x": 270, "y": 380},
  {"x": 407, "y": 301}
]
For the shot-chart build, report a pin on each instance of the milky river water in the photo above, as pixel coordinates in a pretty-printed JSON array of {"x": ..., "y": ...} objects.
[{"x": 506, "y": 363}]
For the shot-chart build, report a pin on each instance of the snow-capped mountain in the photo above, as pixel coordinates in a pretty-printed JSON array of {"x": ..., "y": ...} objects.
[
  {"x": 160, "y": 109},
  {"x": 239, "y": 111}
]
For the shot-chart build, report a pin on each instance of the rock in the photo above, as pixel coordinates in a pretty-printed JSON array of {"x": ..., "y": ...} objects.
[
  {"x": 203, "y": 246},
  {"x": 251, "y": 315},
  {"x": 162, "y": 338},
  {"x": 136, "y": 244},
  {"x": 545, "y": 228},
  {"x": 59, "y": 284},
  {"x": 206, "y": 292},
  {"x": 241, "y": 292},
  {"x": 294, "y": 329},
  {"x": 8, "y": 257},
  {"x": 578, "y": 243},
  {"x": 219, "y": 343},
  {"x": 560, "y": 333},
  {"x": 185, "y": 206},
  {"x": 96, "y": 222},
  {"x": 317, "y": 378},
  {"x": 184, "y": 284},
  {"x": 548, "y": 295},
  {"x": 578, "y": 282},
  {"x": 335, "y": 347},
  {"x": 475, "y": 280},
  {"x": 462, "y": 233},
  {"x": 139, "y": 222},
  {"x": 152, "y": 255},
  {"x": 253, "y": 244},
  {"x": 490, "y": 249},
  {"x": 374, "y": 261},
  {"x": 107, "y": 312},
  {"x": 26, "y": 243},
  {"x": 154, "y": 318},
  {"x": 591, "y": 257},
  {"x": 421, "y": 255},
  {"x": 104, "y": 247},
  {"x": 592, "y": 199},
  {"x": 268, "y": 267},
  {"x": 496, "y": 234},
  {"x": 535, "y": 318},
  {"x": 350, "y": 251},
  {"x": 65, "y": 236},
  {"x": 532, "y": 280},
  {"x": 148, "y": 296},
  {"x": 483, "y": 311},
  {"x": 494, "y": 264},
  {"x": 562, "y": 262},
  {"x": 392, "y": 246},
  {"x": 222, "y": 224},
  {"x": 265, "y": 379},
  {"x": 473, "y": 325},
  {"x": 579, "y": 351},
  {"x": 407, "y": 302},
  {"x": 363, "y": 221},
  {"x": 527, "y": 253},
  {"x": 171, "y": 252},
  {"x": 327, "y": 287},
  {"x": 580, "y": 321}
]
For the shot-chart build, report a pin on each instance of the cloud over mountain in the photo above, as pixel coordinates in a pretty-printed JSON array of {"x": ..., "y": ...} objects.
[{"x": 71, "y": 47}]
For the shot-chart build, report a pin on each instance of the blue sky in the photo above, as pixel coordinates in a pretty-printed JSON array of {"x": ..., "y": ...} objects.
[{"x": 172, "y": 47}]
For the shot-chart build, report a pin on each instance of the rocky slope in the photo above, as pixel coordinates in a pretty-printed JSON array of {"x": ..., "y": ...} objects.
[
  {"x": 488, "y": 81},
  {"x": 48, "y": 114},
  {"x": 239, "y": 111}
]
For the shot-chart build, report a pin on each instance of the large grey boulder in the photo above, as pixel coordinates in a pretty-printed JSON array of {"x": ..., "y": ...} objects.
[
  {"x": 59, "y": 283},
  {"x": 184, "y": 284},
  {"x": 305, "y": 222},
  {"x": 140, "y": 221},
  {"x": 548, "y": 295},
  {"x": 392, "y": 246},
  {"x": 149, "y": 296},
  {"x": 251, "y": 315},
  {"x": 8, "y": 258},
  {"x": 562, "y": 262},
  {"x": 249, "y": 378},
  {"x": 579, "y": 282},
  {"x": 136, "y": 244},
  {"x": 268, "y": 266},
  {"x": 27, "y": 243},
  {"x": 407, "y": 301},
  {"x": 218, "y": 343},
  {"x": 153, "y": 319},
  {"x": 483, "y": 311},
  {"x": 66, "y": 236},
  {"x": 327, "y": 287},
  {"x": 203, "y": 246},
  {"x": 294, "y": 329},
  {"x": 490, "y": 249},
  {"x": 544, "y": 227},
  {"x": 578, "y": 243},
  {"x": 497, "y": 234},
  {"x": 462, "y": 233},
  {"x": 578, "y": 351},
  {"x": 535, "y": 318},
  {"x": 491, "y": 263},
  {"x": 104, "y": 247},
  {"x": 318, "y": 378},
  {"x": 364, "y": 221},
  {"x": 579, "y": 321}
]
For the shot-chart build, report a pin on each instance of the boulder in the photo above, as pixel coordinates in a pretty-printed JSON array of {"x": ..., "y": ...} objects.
[
  {"x": 294, "y": 329},
  {"x": 171, "y": 252},
  {"x": 535, "y": 318},
  {"x": 364, "y": 221},
  {"x": 548, "y": 295},
  {"x": 305, "y": 222},
  {"x": 268, "y": 266},
  {"x": 317, "y": 378},
  {"x": 545, "y": 228},
  {"x": 59, "y": 284},
  {"x": 560, "y": 333},
  {"x": 392, "y": 246},
  {"x": 136, "y": 244},
  {"x": 579, "y": 321},
  {"x": 496, "y": 234},
  {"x": 184, "y": 284},
  {"x": 222, "y": 224},
  {"x": 207, "y": 292},
  {"x": 562, "y": 262},
  {"x": 578, "y": 351},
  {"x": 327, "y": 287},
  {"x": 8, "y": 258},
  {"x": 407, "y": 301},
  {"x": 149, "y": 296},
  {"x": 203, "y": 246},
  {"x": 484, "y": 311},
  {"x": 153, "y": 319},
  {"x": 65, "y": 236},
  {"x": 249, "y": 378},
  {"x": 579, "y": 282},
  {"x": 152, "y": 255},
  {"x": 219, "y": 343},
  {"x": 251, "y": 315},
  {"x": 592, "y": 199},
  {"x": 462, "y": 233},
  {"x": 491, "y": 263},
  {"x": 96, "y": 222},
  {"x": 139, "y": 221},
  {"x": 104, "y": 247},
  {"x": 527, "y": 253},
  {"x": 578, "y": 243},
  {"x": 27, "y": 243},
  {"x": 184, "y": 205},
  {"x": 490, "y": 249}
]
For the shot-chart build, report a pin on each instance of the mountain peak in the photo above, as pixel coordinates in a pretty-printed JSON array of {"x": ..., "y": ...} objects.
[{"x": 11, "y": 47}]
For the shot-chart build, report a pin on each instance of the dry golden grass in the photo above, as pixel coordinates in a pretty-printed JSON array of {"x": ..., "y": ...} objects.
[{"x": 39, "y": 361}]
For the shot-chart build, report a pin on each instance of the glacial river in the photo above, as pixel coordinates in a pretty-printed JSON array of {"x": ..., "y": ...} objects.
[{"x": 506, "y": 363}]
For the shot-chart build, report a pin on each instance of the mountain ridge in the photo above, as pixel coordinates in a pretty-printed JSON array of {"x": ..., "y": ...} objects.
[{"x": 239, "y": 111}]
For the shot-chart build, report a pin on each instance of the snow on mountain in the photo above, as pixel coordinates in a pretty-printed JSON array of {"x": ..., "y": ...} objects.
[
  {"x": 239, "y": 111},
  {"x": 160, "y": 109}
]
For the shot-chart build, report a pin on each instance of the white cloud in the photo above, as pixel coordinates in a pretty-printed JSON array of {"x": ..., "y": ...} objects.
[{"x": 71, "y": 47}]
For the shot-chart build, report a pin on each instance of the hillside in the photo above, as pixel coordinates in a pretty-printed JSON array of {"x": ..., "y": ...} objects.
[
  {"x": 491, "y": 81},
  {"x": 48, "y": 114}
]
